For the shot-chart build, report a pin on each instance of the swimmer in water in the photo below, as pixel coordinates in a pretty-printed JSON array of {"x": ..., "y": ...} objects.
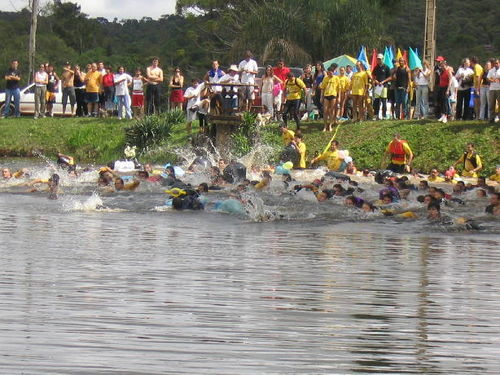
[
  {"x": 368, "y": 207},
  {"x": 352, "y": 201},
  {"x": 494, "y": 206},
  {"x": 121, "y": 186},
  {"x": 434, "y": 211},
  {"x": 6, "y": 174},
  {"x": 52, "y": 183}
]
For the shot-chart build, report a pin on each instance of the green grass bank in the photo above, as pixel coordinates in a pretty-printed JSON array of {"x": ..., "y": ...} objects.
[{"x": 101, "y": 140}]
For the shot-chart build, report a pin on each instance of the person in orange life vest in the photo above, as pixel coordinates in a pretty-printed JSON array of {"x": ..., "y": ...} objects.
[{"x": 400, "y": 153}]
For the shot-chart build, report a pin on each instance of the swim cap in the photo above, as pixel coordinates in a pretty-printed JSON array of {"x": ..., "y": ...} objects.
[{"x": 175, "y": 192}]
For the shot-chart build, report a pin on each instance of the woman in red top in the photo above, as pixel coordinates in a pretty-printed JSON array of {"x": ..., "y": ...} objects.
[
  {"x": 176, "y": 84},
  {"x": 108, "y": 87},
  {"x": 444, "y": 89}
]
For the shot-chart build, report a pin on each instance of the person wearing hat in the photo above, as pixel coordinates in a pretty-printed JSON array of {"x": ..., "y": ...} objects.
[
  {"x": 230, "y": 94},
  {"x": 68, "y": 88},
  {"x": 381, "y": 75}
]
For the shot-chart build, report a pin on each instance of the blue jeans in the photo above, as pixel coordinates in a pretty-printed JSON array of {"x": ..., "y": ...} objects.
[
  {"x": 124, "y": 102},
  {"x": 422, "y": 105},
  {"x": 9, "y": 93},
  {"x": 401, "y": 100}
]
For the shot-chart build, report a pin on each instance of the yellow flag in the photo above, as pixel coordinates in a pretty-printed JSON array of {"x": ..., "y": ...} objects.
[{"x": 399, "y": 55}]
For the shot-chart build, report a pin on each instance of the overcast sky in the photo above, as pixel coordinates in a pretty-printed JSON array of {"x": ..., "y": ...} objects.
[{"x": 109, "y": 9}]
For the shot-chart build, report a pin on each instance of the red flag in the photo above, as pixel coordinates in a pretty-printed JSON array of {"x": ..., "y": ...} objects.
[
  {"x": 405, "y": 56},
  {"x": 374, "y": 60}
]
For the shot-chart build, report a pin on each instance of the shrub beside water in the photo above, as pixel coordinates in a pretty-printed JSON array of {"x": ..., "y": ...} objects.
[{"x": 152, "y": 131}]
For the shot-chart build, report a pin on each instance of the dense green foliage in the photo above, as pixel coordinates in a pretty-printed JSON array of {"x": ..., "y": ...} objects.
[{"x": 300, "y": 31}]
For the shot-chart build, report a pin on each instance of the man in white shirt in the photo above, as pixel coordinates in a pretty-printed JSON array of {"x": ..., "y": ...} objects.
[
  {"x": 465, "y": 78},
  {"x": 248, "y": 68},
  {"x": 192, "y": 95},
  {"x": 122, "y": 82},
  {"x": 494, "y": 94}
]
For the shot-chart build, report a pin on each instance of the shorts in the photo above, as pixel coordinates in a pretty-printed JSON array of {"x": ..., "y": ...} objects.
[
  {"x": 177, "y": 96},
  {"x": 92, "y": 97},
  {"x": 50, "y": 97},
  {"x": 247, "y": 93},
  {"x": 137, "y": 99},
  {"x": 330, "y": 97}
]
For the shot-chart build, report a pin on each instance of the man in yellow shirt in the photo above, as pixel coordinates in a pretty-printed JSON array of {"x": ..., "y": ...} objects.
[
  {"x": 470, "y": 161},
  {"x": 400, "y": 153},
  {"x": 300, "y": 148},
  {"x": 93, "y": 81},
  {"x": 287, "y": 135},
  {"x": 496, "y": 177},
  {"x": 293, "y": 88},
  {"x": 478, "y": 77},
  {"x": 333, "y": 158},
  {"x": 435, "y": 177},
  {"x": 359, "y": 91},
  {"x": 329, "y": 91}
]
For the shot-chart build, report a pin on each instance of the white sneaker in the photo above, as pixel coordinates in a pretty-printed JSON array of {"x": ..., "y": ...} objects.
[{"x": 445, "y": 119}]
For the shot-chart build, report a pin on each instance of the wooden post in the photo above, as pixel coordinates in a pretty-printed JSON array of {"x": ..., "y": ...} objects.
[
  {"x": 430, "y": 35},
  {"x": 32, "y": 43}
]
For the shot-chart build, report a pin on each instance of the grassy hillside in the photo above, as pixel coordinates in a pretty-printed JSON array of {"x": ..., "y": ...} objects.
[{"x": 101, "y": 140}]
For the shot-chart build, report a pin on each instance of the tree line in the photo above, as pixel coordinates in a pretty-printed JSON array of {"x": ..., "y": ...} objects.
[{"x": 202, "y": 30}]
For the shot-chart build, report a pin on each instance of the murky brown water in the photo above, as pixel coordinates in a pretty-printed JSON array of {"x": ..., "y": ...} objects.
[{"x": 202, "y": 293}]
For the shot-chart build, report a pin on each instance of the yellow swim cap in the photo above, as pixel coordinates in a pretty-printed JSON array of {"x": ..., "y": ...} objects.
[
  {"x": 408, "y": 215},
  {"x": 175, "y": 192}
]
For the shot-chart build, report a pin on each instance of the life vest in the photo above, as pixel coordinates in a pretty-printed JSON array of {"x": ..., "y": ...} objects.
[
  {"x": 397, "y": 151},
  {"x": 472, "y": 159}
]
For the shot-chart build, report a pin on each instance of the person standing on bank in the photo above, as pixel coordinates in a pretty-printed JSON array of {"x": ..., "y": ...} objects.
[
  {"x": 381, "y": 75},
  {"x": 68, "y": 88},
  {"x": 154, "y": 76},
  {"x": 421, "y": 79},
  {"x": 248, "y": 69},
  {"x": 401, "y": 78},
  {"x": 176, "y": 85},
  {"x": 12, "y": 78},
  {"x": 41, "y": 81},
  {"x": 465, "y": 78}
]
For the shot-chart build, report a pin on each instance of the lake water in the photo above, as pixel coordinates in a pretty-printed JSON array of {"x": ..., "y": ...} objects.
[{"x": 136, "y": 290}]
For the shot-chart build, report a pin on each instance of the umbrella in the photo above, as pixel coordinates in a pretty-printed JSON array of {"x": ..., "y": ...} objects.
[{"x": 342, "y": 60}]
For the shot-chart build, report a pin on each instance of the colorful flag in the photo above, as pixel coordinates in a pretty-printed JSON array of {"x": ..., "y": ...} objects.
[
  {"x": 374, "y": 59},
  {"x": 399, "y": 55},
  {"x": 415, "y": 61},
  {"x": 405, "y": 57},
  {"x": 387, "y": 58},
  {"x": 362, "y": 57}
]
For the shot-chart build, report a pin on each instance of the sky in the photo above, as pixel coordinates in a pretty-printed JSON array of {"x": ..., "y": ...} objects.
[{"x": 121, "y": 9}]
